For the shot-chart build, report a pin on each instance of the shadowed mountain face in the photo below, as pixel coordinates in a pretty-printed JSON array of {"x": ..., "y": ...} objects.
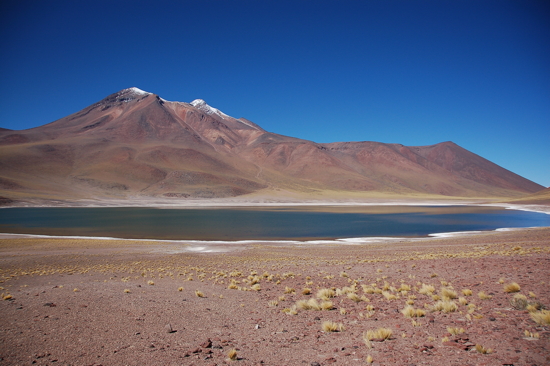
[{"x": 134, "y": 143}]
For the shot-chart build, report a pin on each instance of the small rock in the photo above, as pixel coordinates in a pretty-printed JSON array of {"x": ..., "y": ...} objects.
[
  {"x": 197, "y": 350},
  {"x": 315, "y": 364},
  {"x": 168, "y": 328},
  {"x": 206, "y": 344}
]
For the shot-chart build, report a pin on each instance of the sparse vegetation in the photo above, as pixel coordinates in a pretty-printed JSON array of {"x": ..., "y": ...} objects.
[
  {"x": 512, "y": 287},
  {"x": 199, "y": 293},
  {"x": 232, "y": 354},
  {"x": 541, "y": 317},
  {"x": 479, "y": 348},
  {"x": 330, "y": 326},
  {"x": 483, "y": 296},
  {"x": 466, "y": 292}
]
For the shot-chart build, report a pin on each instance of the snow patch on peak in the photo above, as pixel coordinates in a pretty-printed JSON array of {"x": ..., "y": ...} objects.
[
  {"x": 201, "y": 105},
  {"x": 198, "y": 102},
  {"x": 137, "y": 91},
  {"x": 204, "y": 107}
]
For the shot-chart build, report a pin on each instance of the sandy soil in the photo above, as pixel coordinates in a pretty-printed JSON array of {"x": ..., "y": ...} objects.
[{"x": 94, "y": 302}]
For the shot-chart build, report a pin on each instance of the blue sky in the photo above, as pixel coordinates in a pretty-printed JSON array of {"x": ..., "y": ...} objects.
[{"x": 411, "y": 72}]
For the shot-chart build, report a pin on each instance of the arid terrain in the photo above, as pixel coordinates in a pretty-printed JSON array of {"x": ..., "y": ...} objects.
[{"x": 475, "y": 299}]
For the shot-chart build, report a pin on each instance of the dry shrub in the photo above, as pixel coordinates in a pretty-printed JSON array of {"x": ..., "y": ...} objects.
[
  {"x": 519, "y": 302},
  {"x": 483, "y": 296},
  {"x": 541, "y": 317},
  {"x": 325, "y": 293},
  {"x": 411, "y": 312},
  {"x": 426, "y": 289},
  {"x": 354, "y": 297},
  {"x": 290, "y": 311},
  {"x": 482, "y": 349},
  {"x": 310, "y": 304},
  {"x": 455, "y": 331},
  {"x": 199, "y": 293},
  {"x": 232, "y": 355},
  {"x": 330, "y": 326},
  {"x": 466, "y": 292},
  {"x": 511, "y": 287},
  {"x": 380, "y": 334},
  {"x": 289, "y": 290},
  {"x": 327, "y": 305},
  {"x": 445, "y": 306},
  {"x": 306, "y": 291},
  {"x": 448, "y": 293}
]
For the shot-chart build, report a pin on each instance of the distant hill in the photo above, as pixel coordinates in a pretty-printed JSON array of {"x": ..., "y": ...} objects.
[
  {"x": 134, "y": 144},
  {"x": 538, "y": 198}
]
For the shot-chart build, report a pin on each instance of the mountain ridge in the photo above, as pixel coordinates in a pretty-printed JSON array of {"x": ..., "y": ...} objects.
[{"x": 135, "y": 143}]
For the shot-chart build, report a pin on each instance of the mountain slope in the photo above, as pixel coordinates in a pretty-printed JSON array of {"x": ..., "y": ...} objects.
[{"x": 134, "y": 143}]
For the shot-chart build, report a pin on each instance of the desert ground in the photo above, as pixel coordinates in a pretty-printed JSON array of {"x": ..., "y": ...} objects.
[{"x": 476, "y": 299}]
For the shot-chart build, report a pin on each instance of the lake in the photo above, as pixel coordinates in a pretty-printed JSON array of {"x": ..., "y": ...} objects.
[{"x": 262, "y": 223}]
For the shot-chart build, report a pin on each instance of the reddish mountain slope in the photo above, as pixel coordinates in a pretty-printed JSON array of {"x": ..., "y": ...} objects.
[{"x": 134, "y": 143}]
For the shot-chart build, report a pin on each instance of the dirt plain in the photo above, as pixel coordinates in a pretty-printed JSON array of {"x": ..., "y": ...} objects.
[{"x": 115, "y": 302}]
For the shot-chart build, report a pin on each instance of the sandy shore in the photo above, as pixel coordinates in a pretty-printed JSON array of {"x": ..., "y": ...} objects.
[{"x": 126, "y": 302}]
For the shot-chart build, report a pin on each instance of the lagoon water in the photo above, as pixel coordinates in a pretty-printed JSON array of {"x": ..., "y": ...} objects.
[{"x": 264, "y": 223}]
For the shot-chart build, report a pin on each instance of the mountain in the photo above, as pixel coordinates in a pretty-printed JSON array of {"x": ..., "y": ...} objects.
[{"x": 135, "y": 144}]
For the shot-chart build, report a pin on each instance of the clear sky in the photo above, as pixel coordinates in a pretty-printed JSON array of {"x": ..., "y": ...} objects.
[{"x": 414, "y": 72}]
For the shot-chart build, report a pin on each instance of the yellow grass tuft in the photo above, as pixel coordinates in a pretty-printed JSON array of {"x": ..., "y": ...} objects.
[
  {"x": 289, "y": 290},
  {"x": 528, "y": 334},
  {"x": 426, "y": 289},
  {"x": 232, "y": 354},
  {"x": 462, "y": 301},
  {"x": 511, "y": 287},
  {"x": 483, "y": 296},
  {"x": 180, "y": 289},
  {"x": 466, "y": 292},
  {"x": 126, "y": 291},
  {"x": 150, "y": 282},
  {"x": 310, "y": 304},
  {"x": 447, "y": 293},
  {"x": 445, "y": 306},
  {"x": 455, "y": 331},
  {"x": 199, "y": 293},
  {"x": 483, "y": 350},
  {"x": 306, "y": 291},
  {"x": 327, "y": 305},
  {"x": 541, "y": 317},
  {"x": 325, "y": 293},
  {"x": 330, "y": 326},
  {"x": 256, "y": 287},
  {"x": 7, "y": 297},
  {"x": 290, "y": 311},
  {"x": 410, "y": 312},
  {"x": 354, "y": 297},
  {"x": 380, "y": 334}
]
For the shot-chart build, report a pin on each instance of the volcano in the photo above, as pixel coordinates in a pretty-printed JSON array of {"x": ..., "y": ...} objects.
[{"x": 136, "y": 144}]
